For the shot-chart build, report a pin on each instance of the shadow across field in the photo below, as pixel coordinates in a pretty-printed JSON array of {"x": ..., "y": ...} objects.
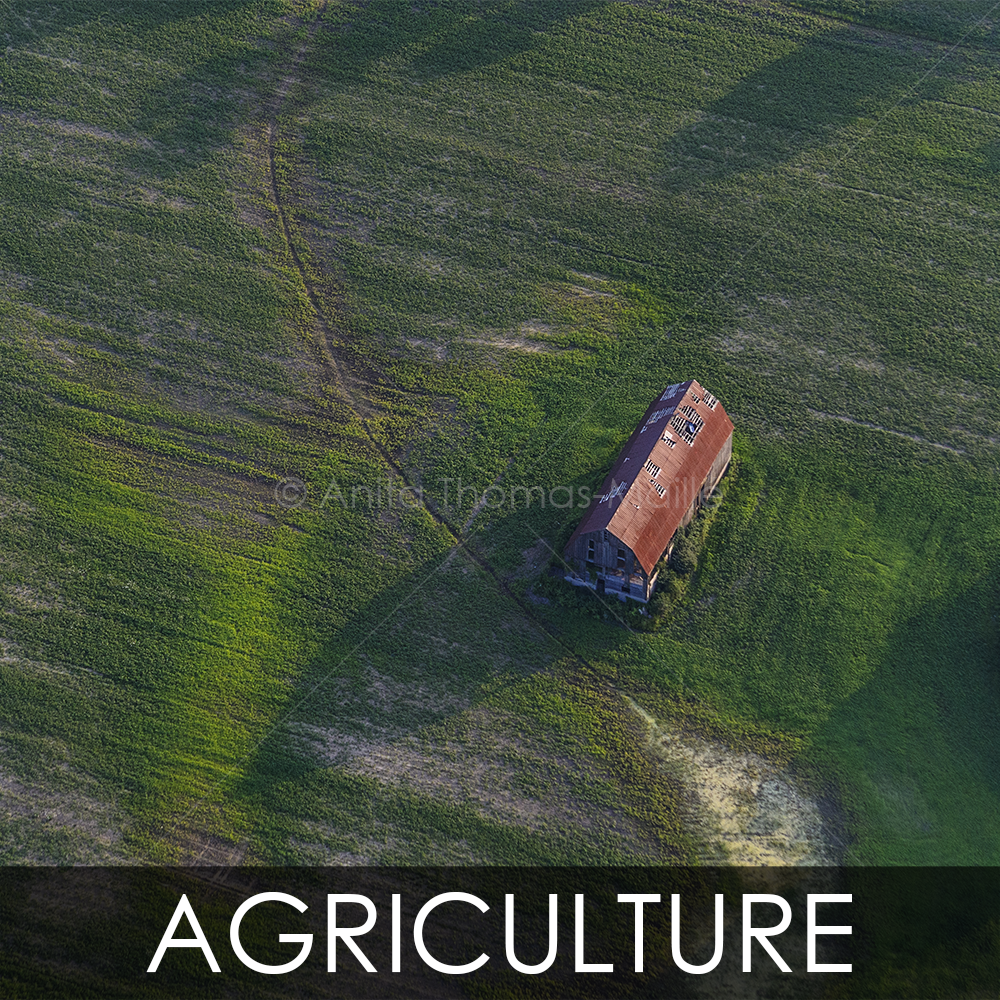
[
  {"x": 414, "y": 656},
  {"x": 437, "y": 39},
  {"x": 25, "y": 23},
  {"x": 793, "y": 104},
  {"x": 921, "y": 741},
  {"x": 443, "y": 724},
  {"x": 169, "y": 121},
  {"x": 966, "y": 23},
  {"x": 194, "y": 115}
]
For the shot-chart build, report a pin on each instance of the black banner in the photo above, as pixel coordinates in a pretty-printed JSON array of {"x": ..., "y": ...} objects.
[{"x": 500, "y": 932}]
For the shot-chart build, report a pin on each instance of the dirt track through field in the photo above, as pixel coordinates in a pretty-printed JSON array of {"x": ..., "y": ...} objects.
[{"x": 337, "y": 361}]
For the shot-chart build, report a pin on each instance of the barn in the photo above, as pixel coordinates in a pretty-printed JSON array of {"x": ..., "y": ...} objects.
[{"x": 668, "y": 468}]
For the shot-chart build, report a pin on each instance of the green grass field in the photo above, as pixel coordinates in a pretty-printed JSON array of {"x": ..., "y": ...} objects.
[{"x": 364, "y": 244}]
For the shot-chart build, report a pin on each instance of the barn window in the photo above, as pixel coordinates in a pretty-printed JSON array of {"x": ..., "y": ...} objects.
[
  {"x": 621, "y": 558},
  {"x": 687, "y": 423},
  {"x": 656, "y": 486},
  {"x": 590, "y": 550},
  {"x": 652, "y": 468},
  {"x": 692, "y": 414}
]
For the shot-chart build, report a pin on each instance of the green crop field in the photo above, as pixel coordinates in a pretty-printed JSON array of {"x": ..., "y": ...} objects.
[{"x": 266, "y": 264}]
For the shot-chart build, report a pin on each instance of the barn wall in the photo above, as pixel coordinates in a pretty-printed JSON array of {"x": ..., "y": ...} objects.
[
  {"x": 605, "y": 553},
  {"x": 719, "y": 465}
]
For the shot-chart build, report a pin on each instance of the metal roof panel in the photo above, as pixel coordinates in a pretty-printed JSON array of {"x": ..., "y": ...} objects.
[{"x": 629, "y": 504}]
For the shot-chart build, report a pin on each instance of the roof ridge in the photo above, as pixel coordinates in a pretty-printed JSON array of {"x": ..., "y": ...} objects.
[{"x": 671, "y": 461}]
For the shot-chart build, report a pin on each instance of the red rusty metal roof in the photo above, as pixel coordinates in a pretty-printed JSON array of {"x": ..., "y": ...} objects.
[{"x": 629, "y": 504}]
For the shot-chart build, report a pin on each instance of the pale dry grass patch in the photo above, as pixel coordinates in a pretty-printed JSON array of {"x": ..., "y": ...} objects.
[
  {"x": 741, "y": 808},
  {"x": 87, "y": 827},
  {"x": 489, "y": 763}
]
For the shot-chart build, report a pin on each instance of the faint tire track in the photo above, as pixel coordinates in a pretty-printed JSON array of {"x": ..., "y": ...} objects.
[{"x": 915, "y": 438}]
